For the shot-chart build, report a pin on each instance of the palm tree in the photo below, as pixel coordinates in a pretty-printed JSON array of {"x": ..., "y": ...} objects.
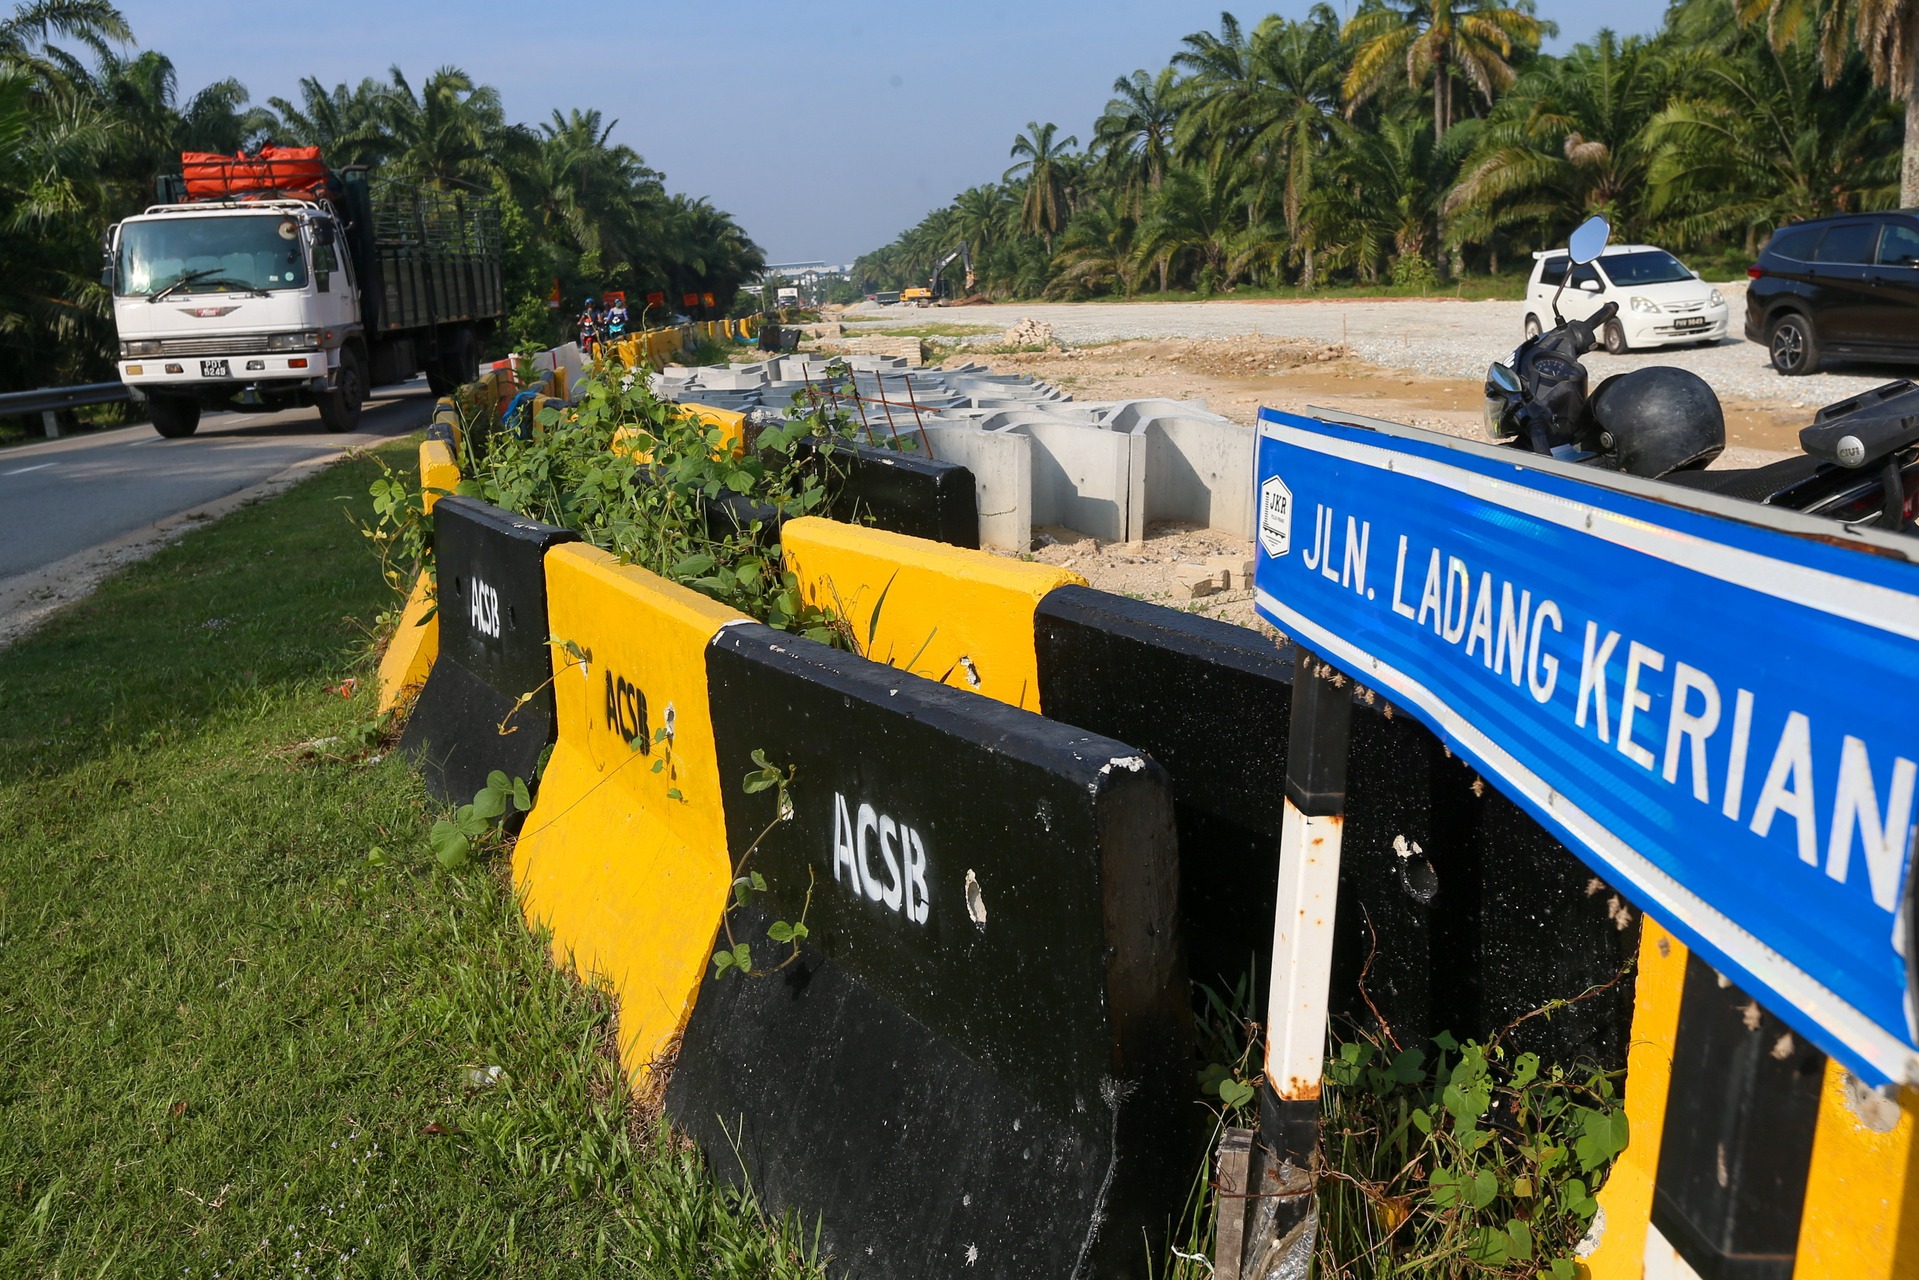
[
  {"x": 1568, "y": 141},
  {"x": 1269, "y": 105},
  {"x": 1382, "y": 198},
  {"x": 24, "y": 35},
  {"x": 1757, "y": 139},
  {"x": 1097, "y": 252},
  {"x": 454, "y": 132},
  {"x": 1043, "y": 169},
  {"x": 1886, "y": 31},
  {"x": 1135, "y": 133},
  {"x": 349, "y": 125},
  {"x": 1438, "y": 41}
]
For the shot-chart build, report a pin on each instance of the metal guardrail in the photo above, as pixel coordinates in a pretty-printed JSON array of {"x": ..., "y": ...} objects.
[{"x": 48, "y": 401}]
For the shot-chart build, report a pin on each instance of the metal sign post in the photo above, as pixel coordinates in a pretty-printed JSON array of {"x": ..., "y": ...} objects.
[{"x": 1284, "y": 1175}]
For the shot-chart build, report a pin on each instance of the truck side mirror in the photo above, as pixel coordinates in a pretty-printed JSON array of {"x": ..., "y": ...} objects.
[{"x": 323, "y": 232}]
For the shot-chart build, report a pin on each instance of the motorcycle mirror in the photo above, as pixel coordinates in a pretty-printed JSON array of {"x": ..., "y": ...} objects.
[
  {"x": 1498, "y": 375},
  {"x": 1588, "y": 241}
]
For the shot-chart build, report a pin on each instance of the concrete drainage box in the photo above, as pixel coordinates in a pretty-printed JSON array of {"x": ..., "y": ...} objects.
[
  {"x": 493, "y": 630},
  {"x": 982, "y": 1062}
]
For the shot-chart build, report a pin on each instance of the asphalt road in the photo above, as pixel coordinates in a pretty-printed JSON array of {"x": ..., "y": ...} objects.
[{"x": 69, "y": 495}]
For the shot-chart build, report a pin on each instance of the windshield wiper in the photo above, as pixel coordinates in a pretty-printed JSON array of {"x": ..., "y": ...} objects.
[{"x": 202, "y": 277}]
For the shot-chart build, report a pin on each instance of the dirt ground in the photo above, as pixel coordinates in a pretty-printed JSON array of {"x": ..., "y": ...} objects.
[{"x": 1235, "y": 376}]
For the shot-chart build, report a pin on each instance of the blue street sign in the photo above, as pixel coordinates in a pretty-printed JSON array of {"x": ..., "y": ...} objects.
[{"x": 1715, "y": 704}]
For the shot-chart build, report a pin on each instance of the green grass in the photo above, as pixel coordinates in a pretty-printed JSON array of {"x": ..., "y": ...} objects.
[{"x": 239, "y": 1001}]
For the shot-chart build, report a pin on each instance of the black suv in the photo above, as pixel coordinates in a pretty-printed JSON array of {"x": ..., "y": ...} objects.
[{"x": 1841, "y": 286}]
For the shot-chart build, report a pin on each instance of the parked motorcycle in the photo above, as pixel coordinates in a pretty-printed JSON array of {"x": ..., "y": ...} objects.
[{"x": 1860, "y": 460}]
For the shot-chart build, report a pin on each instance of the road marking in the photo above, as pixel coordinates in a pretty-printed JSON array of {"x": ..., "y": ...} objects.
[{"x": 23, "y": 470}]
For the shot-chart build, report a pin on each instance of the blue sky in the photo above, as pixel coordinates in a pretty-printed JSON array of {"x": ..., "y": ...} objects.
[{"x": 824, "y": 127}]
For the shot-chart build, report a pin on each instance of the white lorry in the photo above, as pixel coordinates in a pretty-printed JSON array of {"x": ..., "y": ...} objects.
[{"x": 275, "y": 282}]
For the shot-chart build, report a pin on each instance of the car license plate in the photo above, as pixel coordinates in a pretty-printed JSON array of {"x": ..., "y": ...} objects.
[
  {"x": 215, "y": 369},
  {"x": 1689, "y": 322}
]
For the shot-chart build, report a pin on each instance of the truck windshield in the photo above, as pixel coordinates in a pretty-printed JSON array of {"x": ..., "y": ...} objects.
[
  {"x": 1647, "y": 266},
  {"x": 210, "y": 255}
]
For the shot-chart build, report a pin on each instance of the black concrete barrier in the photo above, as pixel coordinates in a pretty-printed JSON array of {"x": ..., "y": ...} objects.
[
  {"x": 911, "y": 494},
  {"x": 982, "y": 1061},
  {"x": 493, "y": 648},
  {"x": 1457, "y": 912},
  {"x": 1736, "y": 1150}
]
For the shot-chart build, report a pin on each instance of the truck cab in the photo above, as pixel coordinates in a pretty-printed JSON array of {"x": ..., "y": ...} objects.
[
  {"x": 215, "y": 301},
  {"x": 271, "y": 280}
]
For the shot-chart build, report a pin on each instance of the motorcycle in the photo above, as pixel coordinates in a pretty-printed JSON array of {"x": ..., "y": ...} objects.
[{"x": 1860, "y": 457}]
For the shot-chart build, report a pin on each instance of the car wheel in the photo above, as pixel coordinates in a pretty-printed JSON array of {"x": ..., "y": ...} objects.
[
  {"x": 1793, "y": 345},
  {"x": 1615, "y": 335},
  {"x": 1532, "y": 325}
]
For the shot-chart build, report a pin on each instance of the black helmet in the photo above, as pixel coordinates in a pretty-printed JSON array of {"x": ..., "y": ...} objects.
[{"x": 1653, "y": 421}]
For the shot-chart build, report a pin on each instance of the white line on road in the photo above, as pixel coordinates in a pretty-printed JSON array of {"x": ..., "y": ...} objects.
[{"x": 23, "y": 470}]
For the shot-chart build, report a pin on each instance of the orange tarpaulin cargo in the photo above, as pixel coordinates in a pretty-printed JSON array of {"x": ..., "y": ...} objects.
[{"x": 273, "y": 169}]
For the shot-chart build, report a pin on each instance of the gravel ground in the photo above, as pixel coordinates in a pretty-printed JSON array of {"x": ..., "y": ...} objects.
[{"x": 1440, "y": 338}]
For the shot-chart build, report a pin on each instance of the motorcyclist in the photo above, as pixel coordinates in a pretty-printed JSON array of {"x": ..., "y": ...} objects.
[
  {"x": 590, "y": 320},
  {"x": 616, "y": 320}
]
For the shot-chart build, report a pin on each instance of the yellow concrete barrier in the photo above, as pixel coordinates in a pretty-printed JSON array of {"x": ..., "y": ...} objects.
[
  {"x": 416, "y": 640},
  {"x": 1861, "y": 1218},
  {"x": 624, "y": 855},
  {"x": 1626, "y": 1199},
  {"x": 964, "y": 618}
]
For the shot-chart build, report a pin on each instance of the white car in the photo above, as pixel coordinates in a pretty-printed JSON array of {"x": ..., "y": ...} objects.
[{"x": 1661, "y": 301}]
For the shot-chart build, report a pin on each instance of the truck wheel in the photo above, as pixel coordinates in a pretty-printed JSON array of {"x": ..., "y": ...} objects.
[
  {"x": 174, "y": 416},
  {"x": 460, "y": 356},
  {"x": 1793, "y": 345},
  {"x": 340, "y": 408}
]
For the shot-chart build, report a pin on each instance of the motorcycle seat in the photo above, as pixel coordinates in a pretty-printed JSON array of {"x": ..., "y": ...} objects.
[{"x": 1750, "y": 484}]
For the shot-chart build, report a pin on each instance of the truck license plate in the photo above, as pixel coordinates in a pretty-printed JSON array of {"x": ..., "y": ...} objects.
[
  {"x": 1689, "y": 322},
  {"x": 215, "y": 369}
]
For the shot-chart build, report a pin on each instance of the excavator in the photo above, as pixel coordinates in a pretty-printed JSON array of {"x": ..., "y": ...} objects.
[{"x": 935, "y": 290}]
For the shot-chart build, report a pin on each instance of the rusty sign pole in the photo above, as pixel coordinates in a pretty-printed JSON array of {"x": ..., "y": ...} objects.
[{"x": 1284, "y": 1218}]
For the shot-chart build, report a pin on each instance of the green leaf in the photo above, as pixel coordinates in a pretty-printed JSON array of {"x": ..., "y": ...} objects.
[
  {"x": 743, "y": 891},
  {"x": 1422, "y": 1121},
  {"x": 722, "y": 961},
  {"x": 468, "y": 820},
  {"x": 489, "y": 804},
  {"x": 1485, "y": 1188},
  {"x": 1235, "y": 1093},
  {"x": 450, "y": 845},
  {"x": 498, "y": 781},
  {"x": 522, "y": 798},
  {"x": 1521, "y": 1237},
  {"x": 1525, "y": 1067},
  {"x": 743, "y": 957},
  {"x": 674, "y": 793},
  {"x": 659, "y": 765},
  {"x": 780, "y": 931}
]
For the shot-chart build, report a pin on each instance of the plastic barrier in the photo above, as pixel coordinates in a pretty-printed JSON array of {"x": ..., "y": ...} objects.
[
  {"x": 416, "y": 640},
  {"x": 627, "y": 865},
  {"x": 963, "y": 618},
  {"x": 1458, "y": 912},
  {"x": 981, "y": 1063},
  {"x": 493, "y": 631}
]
